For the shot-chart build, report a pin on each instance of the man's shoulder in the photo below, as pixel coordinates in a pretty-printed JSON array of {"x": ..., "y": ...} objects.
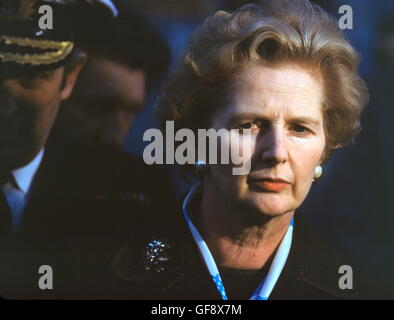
[
  {"x": 100, "y": 167},
  {"x": 103, "y": 160},
  {"x": 94, "y": 181}
]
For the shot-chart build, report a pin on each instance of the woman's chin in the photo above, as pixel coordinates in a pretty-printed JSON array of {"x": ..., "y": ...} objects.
[{"x": 273, "y": 204}]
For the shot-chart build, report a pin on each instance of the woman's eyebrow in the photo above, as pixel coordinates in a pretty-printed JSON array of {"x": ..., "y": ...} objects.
[
  {"x": 246, "y": 116},
  {"x": 236, "y": 118},
  {"x": 305, "y": 120}
]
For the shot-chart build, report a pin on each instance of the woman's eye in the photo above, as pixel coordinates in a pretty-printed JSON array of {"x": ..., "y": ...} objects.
[
  {"x": 299, "y": 129},
  {"x": 248, "y": 125}
]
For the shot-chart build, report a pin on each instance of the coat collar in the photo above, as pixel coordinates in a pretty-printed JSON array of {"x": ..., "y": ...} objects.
[
  {"x": 24, "y": 176},
  {"x": 311, "y": 265},
  {"x": 311, "y": 270}
]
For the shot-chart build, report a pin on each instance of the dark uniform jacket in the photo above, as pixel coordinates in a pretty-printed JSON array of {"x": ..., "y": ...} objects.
[
  {"x": 311, "y": 270},
  {"x": 81, "y": 206}
]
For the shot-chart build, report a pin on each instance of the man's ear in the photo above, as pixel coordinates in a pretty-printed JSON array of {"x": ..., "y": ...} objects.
[{"x": 71, "y": 74}]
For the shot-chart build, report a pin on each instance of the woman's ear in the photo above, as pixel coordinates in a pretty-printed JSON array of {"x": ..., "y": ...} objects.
[{"x": 71, "y": 73}]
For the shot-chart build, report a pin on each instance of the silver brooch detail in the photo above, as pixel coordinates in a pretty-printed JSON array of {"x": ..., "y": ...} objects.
[{"x": 155, "y": 254}]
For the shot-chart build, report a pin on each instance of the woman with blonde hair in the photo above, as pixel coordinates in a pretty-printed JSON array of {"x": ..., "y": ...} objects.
[{"x": 284, "y": 76}]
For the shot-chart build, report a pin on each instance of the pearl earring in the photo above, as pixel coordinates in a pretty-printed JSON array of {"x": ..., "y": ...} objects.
[
  {"x": 318, "y": 173},
  {"x": 201, "y": 167}
]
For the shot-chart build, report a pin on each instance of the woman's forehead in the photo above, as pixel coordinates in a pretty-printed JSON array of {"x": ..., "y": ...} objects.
[
  {"x": 287, "y": 79},
  {"x": 287, "y": 91}
]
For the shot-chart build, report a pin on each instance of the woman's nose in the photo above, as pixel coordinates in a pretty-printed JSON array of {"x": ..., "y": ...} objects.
[{"x": 273, "y": 149}]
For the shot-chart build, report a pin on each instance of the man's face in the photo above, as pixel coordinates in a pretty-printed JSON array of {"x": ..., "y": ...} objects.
[
  {"x": 28, "y": 108},
  {"x": 104, "y": 104}
]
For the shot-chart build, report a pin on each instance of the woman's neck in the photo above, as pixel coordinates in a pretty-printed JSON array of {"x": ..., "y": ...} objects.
[{"x": 240, "y": 240}]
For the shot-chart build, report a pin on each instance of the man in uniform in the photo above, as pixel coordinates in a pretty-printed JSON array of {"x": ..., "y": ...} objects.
[
  {"x": 127, "y": 59},
  {"x": 64, "y": 208}
]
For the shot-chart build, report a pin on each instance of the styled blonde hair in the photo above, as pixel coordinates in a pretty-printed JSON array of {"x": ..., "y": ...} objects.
[{"x": 275, "y": 33}]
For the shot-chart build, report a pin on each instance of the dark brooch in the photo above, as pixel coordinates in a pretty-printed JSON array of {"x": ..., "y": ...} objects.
[{"x": 155, "y": 255}]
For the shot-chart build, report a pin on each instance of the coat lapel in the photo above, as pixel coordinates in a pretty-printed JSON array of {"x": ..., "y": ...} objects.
[{"x": 311, "y": 271}]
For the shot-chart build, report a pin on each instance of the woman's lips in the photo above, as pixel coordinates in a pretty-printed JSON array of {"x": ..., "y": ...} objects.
[{"x": 272, "y": 185}]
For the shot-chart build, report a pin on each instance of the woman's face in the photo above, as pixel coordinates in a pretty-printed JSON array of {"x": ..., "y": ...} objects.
[{"x": 282, "y": 109}]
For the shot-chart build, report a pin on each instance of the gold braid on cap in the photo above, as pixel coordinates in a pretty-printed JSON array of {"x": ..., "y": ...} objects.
[{"x": 61, "y": 49}]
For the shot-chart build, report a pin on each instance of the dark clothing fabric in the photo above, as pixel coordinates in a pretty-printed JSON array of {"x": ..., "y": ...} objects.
[
  {"x": 5, "y": 217},
  {"x": 311, "y": 270},
  {"x": 80, "y": 208},
  {"x": 241, "y": 284}
]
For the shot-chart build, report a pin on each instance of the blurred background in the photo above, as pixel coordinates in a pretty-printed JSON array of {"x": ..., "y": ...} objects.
[{"x": 352, "y": 205}]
